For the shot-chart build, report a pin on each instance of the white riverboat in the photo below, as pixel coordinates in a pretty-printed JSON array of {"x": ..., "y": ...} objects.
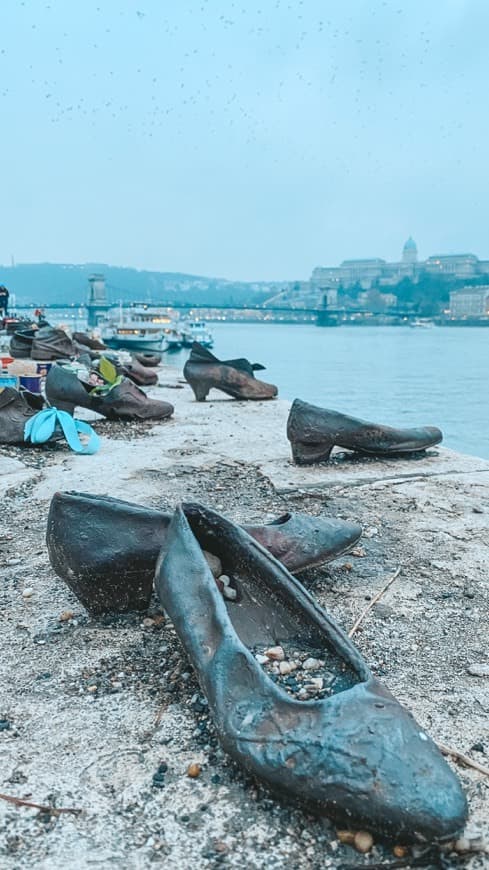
[
  {"x": 422, "y": 323},
  {"x": 141, "y": 328},
  {"x": 196, "y": 330}
]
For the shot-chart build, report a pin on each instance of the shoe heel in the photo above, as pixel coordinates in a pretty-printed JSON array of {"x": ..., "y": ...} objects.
[
  {"x": 65, "y": 406},
  {"x": 309, "y": 454},
  {"x": 200, "y": 388}
]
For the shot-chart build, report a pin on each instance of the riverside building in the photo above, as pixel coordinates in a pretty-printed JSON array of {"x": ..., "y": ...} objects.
[
  {"x": 469, "y": 302},
  {"x": 379, "y": 273}
]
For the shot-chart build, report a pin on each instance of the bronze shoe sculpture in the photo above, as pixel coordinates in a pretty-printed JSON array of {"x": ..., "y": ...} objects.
[
  {"x": 147, "y": 359},
  {"x": 313, "y": 432},
  {"x": 21, "y": 342},
  {"x": 203, "y": 371},
  {"x": 355, "y": 754},
  {"x": 84, "y": 339},
  {"x": 106, "y": 549},
  {"x": 50, "y": 343},
  {"x": 139, "y": 374},
  {"x": 16, "y": 408},
  {"x": 123, "y": 401}
]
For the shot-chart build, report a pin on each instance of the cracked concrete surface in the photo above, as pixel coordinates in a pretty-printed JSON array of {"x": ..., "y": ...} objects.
[{"x": 94, "y": 707}]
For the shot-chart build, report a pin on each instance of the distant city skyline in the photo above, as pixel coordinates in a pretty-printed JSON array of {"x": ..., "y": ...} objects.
[
  {"x": 249, "y": 142},
  {"x": 467, "y": 264}
]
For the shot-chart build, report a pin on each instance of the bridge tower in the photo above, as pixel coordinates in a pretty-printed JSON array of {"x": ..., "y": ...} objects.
[
  {"x": 98, "y": 303},
  {"x": 327, "y": 315}
]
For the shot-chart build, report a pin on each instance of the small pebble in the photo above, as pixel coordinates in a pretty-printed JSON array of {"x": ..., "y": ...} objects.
[
  {"x": 462, "y": 845},
  {"x": 194, "y": 770},
  {"x": 66, "y": 615},
  {"x": 214, "y": 563},
  {"x": 92, "y": 689},
  {"x": 363, "y": 842},
  {"x": 224, "y": 579},
  {"x": 287, "y": 667},
  {"x": 312, "y": 664},
  {"x": 262, "y": 660},
  {"x": 400, "y": 851},
  {"x": 315, "y": 683},
  {"x": 229, "y": 593},
  {"x": 275, "y": 653},
  {"x": 148, "y": 622},
  {"x": 346, "y": 837},
  {"x": 358, "y": 552},
  {"x": 220, "y": 846},
  {"x": 28, "y": 593}
]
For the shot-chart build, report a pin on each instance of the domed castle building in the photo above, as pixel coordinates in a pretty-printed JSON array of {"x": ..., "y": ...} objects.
[
  {"x": 378, "y": 272},
  {"x": 410, "y": 251}
]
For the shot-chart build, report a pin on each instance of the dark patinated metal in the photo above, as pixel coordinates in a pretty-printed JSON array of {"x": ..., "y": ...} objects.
[
  {"x": 236, "y": 377},
  {"x": 16, "y": 408},
  {"x": 50, "y": 343},
  {"x": 84, "y": 339},
  {"x": 148, "y": 359},
  {"x": 139, "y": 374},
  {"x": 357, "y": 755},
  {"x": 106, "y": 549},
  {"x": 314, "y": 431},
  {"x": 21, "y": 342},
  {"x": 125, "y": 401}
]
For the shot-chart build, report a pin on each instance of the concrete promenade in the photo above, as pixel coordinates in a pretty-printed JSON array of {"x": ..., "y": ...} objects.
[{"x": 92, "y": 708}]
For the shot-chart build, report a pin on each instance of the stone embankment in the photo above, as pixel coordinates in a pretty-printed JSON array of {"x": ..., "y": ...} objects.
[{"x": 107, "y": 716}]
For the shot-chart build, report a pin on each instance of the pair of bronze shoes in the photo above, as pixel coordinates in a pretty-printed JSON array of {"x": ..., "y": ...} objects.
[
  {"x": 42, "y": 343},
  {"x": 124, "y": 401},
  {"x": 235, "y": 377},
  {"x": 354, "y": 753}
]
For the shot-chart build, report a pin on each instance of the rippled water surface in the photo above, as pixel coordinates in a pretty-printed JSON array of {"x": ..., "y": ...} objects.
[{"x": 397, "y": 375}]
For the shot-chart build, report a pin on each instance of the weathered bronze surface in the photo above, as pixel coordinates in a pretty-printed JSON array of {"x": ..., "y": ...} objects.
[
  {"x": 357, "y": 756},
  {"x": 235, "y": 377},
  {"x": 106, "y": 549},
  {"x": 314, "y": 431}
]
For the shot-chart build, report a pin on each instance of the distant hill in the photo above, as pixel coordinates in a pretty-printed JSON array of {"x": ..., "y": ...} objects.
[{"x": 59, "y": 283}]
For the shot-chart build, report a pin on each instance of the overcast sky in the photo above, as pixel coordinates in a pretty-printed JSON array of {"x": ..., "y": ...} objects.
[{"x": 242, "y": 139}]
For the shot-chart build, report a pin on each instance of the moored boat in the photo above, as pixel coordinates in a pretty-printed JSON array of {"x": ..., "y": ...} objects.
[
  {"x": 421, "y": 323},
  {"x": 196, "y": 330},
  {"x": 131, "y": 337}
]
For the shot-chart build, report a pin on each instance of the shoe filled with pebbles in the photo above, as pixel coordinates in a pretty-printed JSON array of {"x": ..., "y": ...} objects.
[{"x": 291, "y": 697}]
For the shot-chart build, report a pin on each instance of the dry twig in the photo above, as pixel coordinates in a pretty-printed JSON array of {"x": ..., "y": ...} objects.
[
  {"x": 463, "y": 759},
  {"x": 54, "y": 811},
  {"x": 373, "y": 602},
  {"x": 159, "y": 714}
]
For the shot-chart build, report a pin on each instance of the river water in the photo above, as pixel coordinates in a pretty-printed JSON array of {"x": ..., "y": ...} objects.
[{"x": 395, "y": 375}]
